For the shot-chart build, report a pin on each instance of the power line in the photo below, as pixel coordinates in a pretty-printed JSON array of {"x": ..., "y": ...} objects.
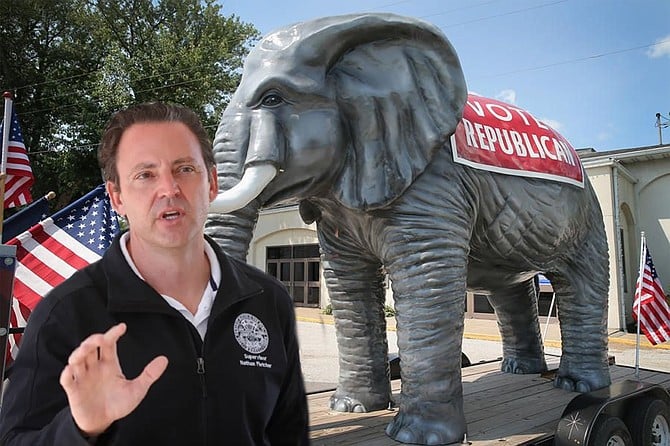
[
  {"x": 516, "y": 11},
  {"x": 528, "y": 69},
  {"x": 580, "y": 59},
  {"x": 139, "y": 79}
]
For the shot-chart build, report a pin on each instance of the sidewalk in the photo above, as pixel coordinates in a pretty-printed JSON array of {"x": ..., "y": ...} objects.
[{"x": 487, "y": 329}]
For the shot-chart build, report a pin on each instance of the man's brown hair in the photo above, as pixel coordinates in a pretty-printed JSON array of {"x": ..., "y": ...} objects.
[{"x": 144, "y": 113}]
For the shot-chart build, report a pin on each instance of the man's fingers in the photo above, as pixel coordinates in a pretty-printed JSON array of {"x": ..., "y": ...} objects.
[
  {"x": 111, "y": 337},
  {"x": 114, "y": 333},
  {"x": 85, "y": 349},
  {"x": 67, "y": 378},
  {"x": 152, "y": 372},
  {"x": 98, "y": 346}
]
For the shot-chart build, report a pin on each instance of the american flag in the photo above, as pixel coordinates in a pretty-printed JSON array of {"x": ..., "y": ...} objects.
[
  {"x": 653, "y": 306},
  {"x": 19, "y": 174},
  {"x": 51, "y": 251},
  {"x": 26, "y": 218}
]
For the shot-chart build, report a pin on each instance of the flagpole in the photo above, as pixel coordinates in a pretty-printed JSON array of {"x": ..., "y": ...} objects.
[
  {"x": 6, "y": 125},
  {"x": 638, "y": 293}
]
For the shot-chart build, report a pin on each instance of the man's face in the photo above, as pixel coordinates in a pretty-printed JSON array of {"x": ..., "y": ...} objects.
[{"x": 164, "y": 186}]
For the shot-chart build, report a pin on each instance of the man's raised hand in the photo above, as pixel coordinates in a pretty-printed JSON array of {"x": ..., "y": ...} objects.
[{"x": 97, "y": 391}]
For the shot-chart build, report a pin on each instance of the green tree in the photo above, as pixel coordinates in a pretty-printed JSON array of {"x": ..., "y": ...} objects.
[{"x": 71, "y": 63}]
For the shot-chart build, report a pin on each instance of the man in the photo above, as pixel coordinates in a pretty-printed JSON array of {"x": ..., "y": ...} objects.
[{"x": 165, "y": 340}]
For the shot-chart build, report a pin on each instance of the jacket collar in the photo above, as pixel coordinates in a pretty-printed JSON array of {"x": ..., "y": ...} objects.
[{"x": 128, "y": 293}]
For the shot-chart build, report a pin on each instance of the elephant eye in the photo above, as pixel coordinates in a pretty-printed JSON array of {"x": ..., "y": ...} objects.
[{"x": 272, "y": 100}]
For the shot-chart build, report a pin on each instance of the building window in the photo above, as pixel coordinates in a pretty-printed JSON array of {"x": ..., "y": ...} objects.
[
  {"x": 482, "y": 305},
  {"x": 298, "y": 268}
]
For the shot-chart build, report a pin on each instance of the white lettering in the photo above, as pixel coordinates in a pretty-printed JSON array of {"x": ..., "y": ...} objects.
[
  {"x": 518, "y": 143},
  {"x": 499, "y": 137},
  {"x": 507, "y": 116},
  {"x": 469, "y": 134},
  {"x": 560, "y": 154},
  {"x": 571, "y": 157},
  {"x": 538, "y": 146},
  {"x": 491, "y": 135},
  {"x": 567, "y": 153},
  {"x": 531, "y": 153},
  {"x": 522, "y": 114},
  {"x": 480, "y": 135},
  {"x": 507, "y": 148},
  {"x": 255, "y": 361},
  {"x": 543, "y": 141},
  {"x": 477, "y": 108}
]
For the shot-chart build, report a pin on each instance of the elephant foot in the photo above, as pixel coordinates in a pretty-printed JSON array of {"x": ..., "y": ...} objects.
[
  {"x": 583, "y": 382},
  {"x": 523, "y": 366},
  {"x": 343, "y": 403},
  {"x": 415, "y": 429},
  {"x": 582, "y": 379}
]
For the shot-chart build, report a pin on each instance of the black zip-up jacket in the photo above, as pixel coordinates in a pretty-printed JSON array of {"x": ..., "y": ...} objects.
[{"x": 241, "y": 386}]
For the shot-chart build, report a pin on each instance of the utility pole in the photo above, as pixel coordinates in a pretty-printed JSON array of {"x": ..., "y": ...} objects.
[{"x": 661, "y": 126}]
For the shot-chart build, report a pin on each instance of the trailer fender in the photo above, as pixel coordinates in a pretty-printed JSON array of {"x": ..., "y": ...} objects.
[{"x": 586, "y": 413}]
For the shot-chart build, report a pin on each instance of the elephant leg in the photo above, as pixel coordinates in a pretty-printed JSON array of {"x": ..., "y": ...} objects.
[
  {"x": 581, "y": 296},
  {"x": 429, "y": 293},
  {"x": 357, "y": 293},
  {"x": 516, "y": 311}
]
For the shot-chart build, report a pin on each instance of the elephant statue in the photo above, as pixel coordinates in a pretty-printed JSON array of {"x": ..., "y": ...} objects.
[{"x": 355, "y": 118}]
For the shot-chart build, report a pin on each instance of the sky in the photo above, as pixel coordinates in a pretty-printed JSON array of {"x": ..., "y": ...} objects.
[{"x": 598, "y": 71}]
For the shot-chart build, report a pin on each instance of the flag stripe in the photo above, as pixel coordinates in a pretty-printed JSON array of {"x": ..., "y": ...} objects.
[
  {"x": 15, "y": 185},
  {"x": 71, "y": 244},
  {"x": 17, "y": 167},
  {"x": 19, "y": 177},
  {"x": 44, "y": 264},
  {"x": 30, "y": 295},
  {"x": 58, "y": 242},
  {"x": 54, "y": 249}
]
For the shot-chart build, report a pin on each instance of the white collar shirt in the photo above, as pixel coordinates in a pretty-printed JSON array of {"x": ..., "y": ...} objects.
[{"x": 201, "y": 316}]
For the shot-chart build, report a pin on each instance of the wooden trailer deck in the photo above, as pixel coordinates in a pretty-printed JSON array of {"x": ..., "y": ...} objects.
[{"x": 500, "y": 408}]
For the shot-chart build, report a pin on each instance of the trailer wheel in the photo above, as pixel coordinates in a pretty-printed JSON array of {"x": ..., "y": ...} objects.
[
  {"x": 610, "y": 431},
  {"x": 649, "y": 422}
]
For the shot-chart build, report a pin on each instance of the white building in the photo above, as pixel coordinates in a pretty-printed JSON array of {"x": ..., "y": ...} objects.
[{"x": 631, "y": 185}]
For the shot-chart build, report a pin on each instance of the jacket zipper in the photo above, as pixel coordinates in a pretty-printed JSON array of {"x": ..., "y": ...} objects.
[{"x": 200, "y": 370}]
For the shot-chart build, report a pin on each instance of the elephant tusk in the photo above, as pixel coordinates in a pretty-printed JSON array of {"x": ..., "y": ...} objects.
[{"x": 254, "y": 180}]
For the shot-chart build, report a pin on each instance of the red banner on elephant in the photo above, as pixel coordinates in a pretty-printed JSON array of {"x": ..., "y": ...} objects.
[{"x": 502, "y": 138}]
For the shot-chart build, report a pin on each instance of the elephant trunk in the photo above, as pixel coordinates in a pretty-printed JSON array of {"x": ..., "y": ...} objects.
[
  {"x": 265, "y": 151},
  {"x": 233, "y": 231},
  {"x": 246, "y": 150}
]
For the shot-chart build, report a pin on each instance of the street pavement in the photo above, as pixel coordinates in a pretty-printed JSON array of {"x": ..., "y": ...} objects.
[{"x": 481, "y": 342}]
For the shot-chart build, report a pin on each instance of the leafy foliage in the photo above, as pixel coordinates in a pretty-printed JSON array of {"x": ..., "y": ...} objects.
[{"x": 72, "y": 63}]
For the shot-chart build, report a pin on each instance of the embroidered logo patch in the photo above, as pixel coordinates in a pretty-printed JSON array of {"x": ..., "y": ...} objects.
[{"x": 250, "y": 333}]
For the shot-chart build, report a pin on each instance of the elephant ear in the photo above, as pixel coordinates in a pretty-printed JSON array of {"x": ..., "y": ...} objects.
[{"x": 401, "y": 92}]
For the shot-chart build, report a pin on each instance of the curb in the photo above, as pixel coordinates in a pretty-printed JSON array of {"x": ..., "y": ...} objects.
[{"x": 644, "y": 344}]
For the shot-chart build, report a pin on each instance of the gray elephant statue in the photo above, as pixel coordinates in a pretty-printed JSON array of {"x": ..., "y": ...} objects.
[{"x": 356, "y": 118}]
